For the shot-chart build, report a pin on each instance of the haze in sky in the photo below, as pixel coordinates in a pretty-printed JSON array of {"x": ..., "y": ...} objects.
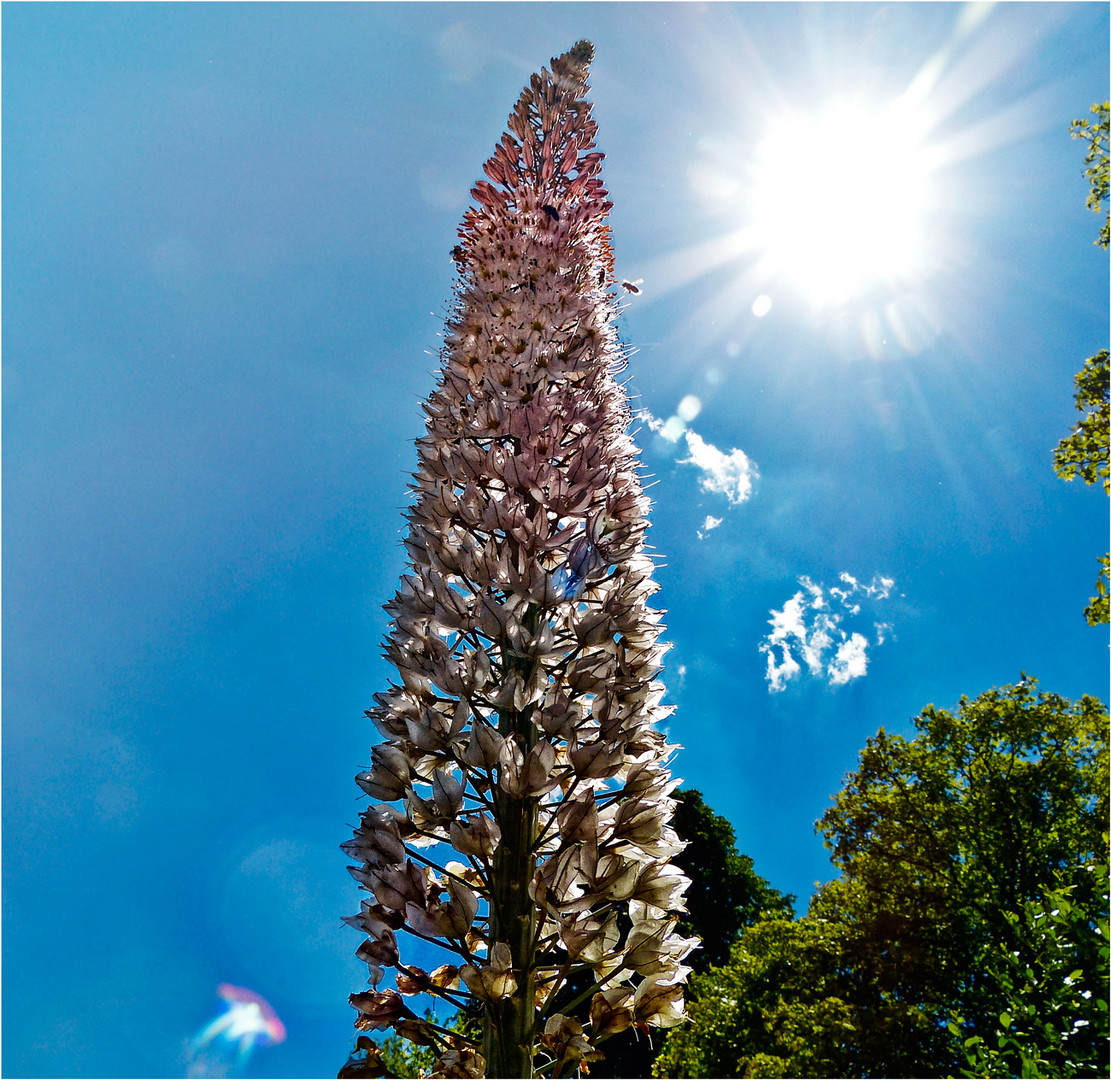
[{"x": 863, "y": 277}]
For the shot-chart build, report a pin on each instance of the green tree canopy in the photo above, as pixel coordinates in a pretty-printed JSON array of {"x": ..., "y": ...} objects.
[
  {"x": 1039, "y": 1030},
  {"x": 1085, "y": 452},
  {"x": 940, "y": 838},
  {"x": 943, "y": 841},
  {"x": 775, "y": 1009}
]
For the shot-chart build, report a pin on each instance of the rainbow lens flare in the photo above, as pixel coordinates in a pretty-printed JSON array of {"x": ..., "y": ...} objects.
[{"x": 223, "y": 1046}]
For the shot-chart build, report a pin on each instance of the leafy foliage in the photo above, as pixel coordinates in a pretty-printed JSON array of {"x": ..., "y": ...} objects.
[
  {"x": 948, "y": 846},
  {"x": 1085, "y": 452},
  {"x": 1098, "y": 611},
  {"x": 773, "y": 1010},
  {"x": 1055, "y": 1019},
  {"x": 1098, "y": 172},
  {"x": 940, "y": 837},
  {"x": 398, "y": 1057}
]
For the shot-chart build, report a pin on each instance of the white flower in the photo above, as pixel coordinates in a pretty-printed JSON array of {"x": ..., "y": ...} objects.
[{"x": 522, "y": 730}]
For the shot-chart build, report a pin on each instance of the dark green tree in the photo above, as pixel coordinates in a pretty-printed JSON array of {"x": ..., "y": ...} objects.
[
  {"x": 943, "y": 842},
  {"x": 726, "y": 895},
  {"x": 1085, "y": 451}
]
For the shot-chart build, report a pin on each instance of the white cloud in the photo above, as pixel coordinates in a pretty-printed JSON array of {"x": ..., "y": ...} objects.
[
  {"x": 851, "y": 661},
  {"x": 810, "y": 630},
  {"x": 711, "y": 522},
  {"x": 671, "y": 429},
  {"x": 778, "y": 675},
  {"x": 729, "y": 474},
  {"x": 879, "y": 589}
]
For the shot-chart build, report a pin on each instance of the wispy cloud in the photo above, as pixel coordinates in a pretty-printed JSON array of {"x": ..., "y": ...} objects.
[
  {"x": 810, "y": 631},
  {"x": 730, "y": 474}
]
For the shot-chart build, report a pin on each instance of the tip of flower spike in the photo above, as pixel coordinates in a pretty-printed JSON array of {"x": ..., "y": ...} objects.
[
  {"x": 575, "y": 62},
  {"x": 582, "y": 52}
]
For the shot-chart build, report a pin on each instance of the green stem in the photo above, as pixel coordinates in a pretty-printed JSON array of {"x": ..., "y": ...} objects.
[{"x": 510, "y": 1026}]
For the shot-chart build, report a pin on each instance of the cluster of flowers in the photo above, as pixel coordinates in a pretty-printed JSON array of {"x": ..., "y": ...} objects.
[{"x": 521, "y": 732}]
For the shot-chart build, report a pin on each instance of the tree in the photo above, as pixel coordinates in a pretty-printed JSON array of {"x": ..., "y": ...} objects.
[
  {"x": 772, "y": 1010},
  {"x": 398, "y": 1057},
  {"x": 1055, "y": 1018},
  {"x": 1085, "y": 452},
  {"x": 941, "y": 837},
  {"x": 725, "y": 896},
  {"x": 1098, "y": 172},
  {"x": 521, "y": 734},
  {"x": 946, "y": 843}
]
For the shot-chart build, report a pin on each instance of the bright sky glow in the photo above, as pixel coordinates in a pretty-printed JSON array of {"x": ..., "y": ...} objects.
[{"x": 840, "y": 198}]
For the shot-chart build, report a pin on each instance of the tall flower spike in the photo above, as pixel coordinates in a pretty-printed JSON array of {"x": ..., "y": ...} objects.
[{"x": 521, "y": 729}]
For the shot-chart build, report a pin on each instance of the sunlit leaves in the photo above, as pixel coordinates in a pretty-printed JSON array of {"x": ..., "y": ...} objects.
[
  {"x": 1095, "y": 133},
  {"x": 1054, "y": 986},
  {"x": 1098, "y": 610},
  {"x": 1085, "y": 451},
  {"x": 772, "y": 1010}
]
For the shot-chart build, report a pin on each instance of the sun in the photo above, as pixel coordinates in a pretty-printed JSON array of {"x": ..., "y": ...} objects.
[{"x": 840, "y": 200}]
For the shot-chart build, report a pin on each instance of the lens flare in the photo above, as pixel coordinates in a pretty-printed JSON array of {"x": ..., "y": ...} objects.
[{"x": 223, "y": 1047}]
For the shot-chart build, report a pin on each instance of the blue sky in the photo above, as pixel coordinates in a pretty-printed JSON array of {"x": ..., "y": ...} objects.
[{"x": 226, "y": 262}]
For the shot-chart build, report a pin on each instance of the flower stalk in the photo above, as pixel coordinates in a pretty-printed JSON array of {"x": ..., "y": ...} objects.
[{"x": 522, "y": 792}]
